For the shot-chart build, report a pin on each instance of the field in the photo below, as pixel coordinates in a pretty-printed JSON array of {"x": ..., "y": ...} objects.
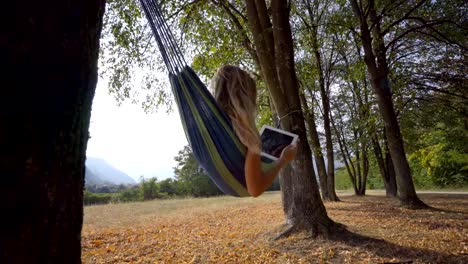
[{"x": 233, "y": 230}]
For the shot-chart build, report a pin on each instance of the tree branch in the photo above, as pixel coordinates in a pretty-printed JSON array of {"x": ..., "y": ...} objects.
[
  {"x": 176, "y": 13},
  {"x": 444, "y": 38},
  {"x": 396, "y": 5},
  {"x": 246, "y": 41},
  {"x": 397, "y": 38},
  {"x": 425, "y": 87},
  {"x": 404, "y": 17}
]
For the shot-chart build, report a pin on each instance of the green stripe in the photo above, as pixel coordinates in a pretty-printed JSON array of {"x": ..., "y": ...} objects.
[
  {"x": 267, "y": 166},
  {"x": 218, "y": 162},
  {"x": 215, "y": 110}
]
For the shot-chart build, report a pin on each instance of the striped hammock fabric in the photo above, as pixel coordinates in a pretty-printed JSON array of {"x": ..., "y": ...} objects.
[{"x": 208, "y": 129}]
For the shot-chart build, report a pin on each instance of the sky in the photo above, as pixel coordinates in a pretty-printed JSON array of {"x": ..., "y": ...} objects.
[{"x": 137, "y": 143}]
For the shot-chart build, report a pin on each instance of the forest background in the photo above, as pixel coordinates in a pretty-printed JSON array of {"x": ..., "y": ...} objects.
[{"x": 420, "y": 43}]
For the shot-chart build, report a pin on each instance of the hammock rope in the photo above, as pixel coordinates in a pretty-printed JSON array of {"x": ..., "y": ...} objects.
[
  {"x": 208, "y": 129},
  {"x": 167, "y": 45}
]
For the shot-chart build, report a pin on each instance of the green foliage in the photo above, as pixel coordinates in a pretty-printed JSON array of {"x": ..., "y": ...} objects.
[
  {"x": 107, "y": 188},
  {"x": 192, "y": 179},
  {"x": 209, "y": 33},
  {"x": 169, "y": 187},
  {"x": 97, "y": 198},
  {"x": 437, "y": 140},
  {"x": 374, "y": 179},
  {"x": 215, "y": 33},
  {"x": 420, "y": 178},
  {"x": 149, "y": 189},
  {"x": 440, "y": 160},
  {"x": 130, "y": 195},
  {"x": 342, "y": 181},
  {"x": 128, "y": 58}
]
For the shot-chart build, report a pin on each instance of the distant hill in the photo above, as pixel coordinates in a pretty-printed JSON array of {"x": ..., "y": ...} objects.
[{"x": 99, "y": 172}]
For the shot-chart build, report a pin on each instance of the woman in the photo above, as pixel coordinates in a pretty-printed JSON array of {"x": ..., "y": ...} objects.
[{"x": 236, "y": 93}]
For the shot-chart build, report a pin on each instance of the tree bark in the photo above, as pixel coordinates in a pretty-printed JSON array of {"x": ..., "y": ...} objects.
[
  {"x": 317, "y": 149},
  {"x": 390, "y": 178},
  {"x": 302, "y": 205},
  {"x": 365, "y": 169},
  {"x": 328, "y": 141},
  {"x": 377, "y": 67},
  {"x": 385, "y": 165},
  {"x": 49, "y": 53},
  {"x": 331, "y": 194}
]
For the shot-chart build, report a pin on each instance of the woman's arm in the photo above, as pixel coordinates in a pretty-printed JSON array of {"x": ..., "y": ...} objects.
[{"x": 258, "y": 181}]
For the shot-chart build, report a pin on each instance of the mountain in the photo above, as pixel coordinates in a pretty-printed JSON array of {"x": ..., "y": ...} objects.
[
  {"x": 92, "y": 178},
  {"x": 99, "y": 172}
]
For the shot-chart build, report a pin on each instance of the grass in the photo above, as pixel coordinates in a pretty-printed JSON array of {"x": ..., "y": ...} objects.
[
  {"x": 233, "y": 230},
  {"x": 121, "y": 215}
]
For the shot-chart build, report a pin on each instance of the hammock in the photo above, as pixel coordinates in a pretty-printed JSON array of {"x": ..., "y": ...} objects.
[{"x": 208, "y": 129}]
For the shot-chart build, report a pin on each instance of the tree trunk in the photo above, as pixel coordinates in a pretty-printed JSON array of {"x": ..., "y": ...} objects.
[
  {"x": 365, "y": 169},
  {"x": 378, "y": 74},
  {"x": 404, "y": 180},
  {"x": 389, "y": 179},
  {"x": 359, "y": 110},
  {"x": 348, "y": 164},
  {"x": 329, "y": 146},
  {"x": 351, "y": 169},
  {"x": 326, "y": 118},
  {"x": 385, "y": 165},
  {"x": 49, "y": 54},
  {"x": 317, "y": 149},
  {"x": 302, "y": 205}
]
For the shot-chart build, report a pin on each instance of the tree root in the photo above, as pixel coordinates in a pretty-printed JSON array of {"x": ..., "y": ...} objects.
[
  {"x": 288, "y": 231},
  {"x": 415, "y": 205},
  {"x": 326, "y": 230}
]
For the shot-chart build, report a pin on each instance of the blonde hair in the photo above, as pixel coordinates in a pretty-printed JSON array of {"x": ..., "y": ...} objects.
[{"x": 236, "y": 93}]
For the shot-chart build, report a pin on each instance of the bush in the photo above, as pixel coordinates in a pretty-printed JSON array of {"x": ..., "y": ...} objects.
[
  {"x": 169, "y": 187},
  {"x": 149, "y": 189},
  {"x": 374, "y": 179},
  {"x": 130, "y": 195},
  {"x": 97, "y": 198},
  {"x": 342, "y": 181},
  {"x": 439, "y": 162}
]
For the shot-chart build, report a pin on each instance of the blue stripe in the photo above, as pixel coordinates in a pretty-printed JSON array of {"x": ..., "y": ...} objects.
[
  {"x": 226, "y": 146},
  {"x": 195, "y": 138}
]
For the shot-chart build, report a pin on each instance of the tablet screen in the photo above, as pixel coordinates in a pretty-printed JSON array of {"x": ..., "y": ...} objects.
[{"x": 273, "y": 142}]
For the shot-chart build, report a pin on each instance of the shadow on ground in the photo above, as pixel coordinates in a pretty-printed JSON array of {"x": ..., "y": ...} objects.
[{"x": 390, "y": 250}]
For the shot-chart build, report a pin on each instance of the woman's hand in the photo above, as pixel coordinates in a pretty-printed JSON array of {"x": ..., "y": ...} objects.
[
  {"x": 258, "y": 181},
  {"x": 289, "y": 153}
]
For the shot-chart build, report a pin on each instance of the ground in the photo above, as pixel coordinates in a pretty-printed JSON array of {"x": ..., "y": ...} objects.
[{"x": 241, "y": 230}]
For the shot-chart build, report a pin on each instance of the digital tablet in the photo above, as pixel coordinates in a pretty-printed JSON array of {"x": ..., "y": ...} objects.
[{"x": 274, "y": 140}]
